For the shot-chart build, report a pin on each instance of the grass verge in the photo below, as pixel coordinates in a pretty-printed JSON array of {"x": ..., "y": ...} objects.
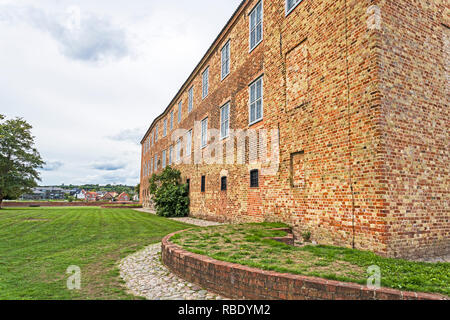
[
  {"x": 246, "y": 245},
  {"x": 38, "y": 245}
]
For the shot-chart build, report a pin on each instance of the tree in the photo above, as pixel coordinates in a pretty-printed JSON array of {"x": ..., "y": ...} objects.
[
  {"x": 137, "y": 189},
  {"x": 19, "y": 159},
  {"x": 169, "y": 194}
]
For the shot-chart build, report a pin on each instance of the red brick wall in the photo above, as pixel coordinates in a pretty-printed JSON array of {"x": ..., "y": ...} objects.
[
  {"x": 239, "y": 282},
  {"x": 366, "y": 108}
]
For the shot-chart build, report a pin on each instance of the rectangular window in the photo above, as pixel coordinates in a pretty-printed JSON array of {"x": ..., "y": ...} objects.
[
  {"x": 165, "y": 128},
  {"x": 254, "y": 179},
  {"x": 226, "y": 60},
  {"x": 156, "y": 162},
  {"x": 153, "y": 137},
  {"x": 225, "y": 121},
  {"x": 256, "y": 27},
  {"x": 151, "y": 166},
  {"x": 164, "y": 159},
  {"x": 178, "y": 150},
  {"x": 188, "y": 183},
  {"x": 189, "y": 143},
  {"x": 205, "y": 83},
  {"x": 291, "y": 4},
  {"x": 203, "y": 186},
  {"x": 170, "y": 155},
  {"x": 156, "y": 133},
  {"x": 256, "y": 101},
  {"x": 204, "y": 133},
  {"x": 223, "y": 184},
  {"x": 171, "y": 120},
  {"x": 180, "y": 111},
  {"x": 191, "y": 99}
]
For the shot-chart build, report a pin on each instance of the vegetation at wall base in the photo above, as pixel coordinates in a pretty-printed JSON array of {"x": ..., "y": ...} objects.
[
  {"x": 247, "y": 244},
  {"x": 169, "y": 194}
]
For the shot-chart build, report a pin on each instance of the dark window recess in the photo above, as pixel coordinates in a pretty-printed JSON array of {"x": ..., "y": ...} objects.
[
  {"x": 188, "y": 182},
  {"x": 223, "y": 184},
  {"x": 203, "y": 184},
  {"x": 254, "y": 179}
]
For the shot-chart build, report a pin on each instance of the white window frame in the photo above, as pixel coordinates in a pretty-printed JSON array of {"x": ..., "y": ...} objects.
[
  {"x": 227, "y": 62},
  {"x": 156, "y": 133},
  {"x": 178, "y": 150},
  {"x": 165, "y": 128},
  {"x": 205, "y": 86},
  {"x": 189, "y": 143},
  {"x": 164, "y": 159},
  {"x": 226, "y": 122},
  {"x": 191, "y": 99},
  {"x": 156, "y": 162},
  {"x": 171, "y": 119},
  {"x": 180, "y": 111},
  {"x": 256, "y": 25},
  {"x": 254, "y": 83},
  {"x": 293, "y": 7},
  {"x": 204, "y": 133},
  {"x": 170, "y": 155}
]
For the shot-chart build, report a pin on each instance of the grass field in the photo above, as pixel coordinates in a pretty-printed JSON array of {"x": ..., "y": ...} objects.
[
  {"x": 38, "y": 245},
  {"x": 247, "y": 245}
]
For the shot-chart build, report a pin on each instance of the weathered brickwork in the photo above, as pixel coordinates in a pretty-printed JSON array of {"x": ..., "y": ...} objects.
[{"x": 357, "y": 93}]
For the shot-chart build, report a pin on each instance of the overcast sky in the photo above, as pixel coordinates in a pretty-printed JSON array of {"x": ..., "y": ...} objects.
[{"x": 90, "y": 76}]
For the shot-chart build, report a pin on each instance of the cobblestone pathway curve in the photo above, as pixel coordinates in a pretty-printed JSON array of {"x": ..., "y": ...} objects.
[{"x": 145, "y": 275}]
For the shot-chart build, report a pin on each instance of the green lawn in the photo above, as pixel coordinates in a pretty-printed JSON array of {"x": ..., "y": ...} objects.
[
  {"x": 247, "y": 245},
  {"x": 38, "y": 245}
]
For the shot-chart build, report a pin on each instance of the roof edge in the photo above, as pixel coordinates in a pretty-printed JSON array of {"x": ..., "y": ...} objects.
[{"x": 197, "y": 67}]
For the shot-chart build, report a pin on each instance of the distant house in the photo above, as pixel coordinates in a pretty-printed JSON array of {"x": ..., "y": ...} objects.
[
  {"x": 109, "y": 196},
  {"x": 81, "y": 195},
  {"x": 123, "y": 197},
  {"x": 91, "y": 196}
]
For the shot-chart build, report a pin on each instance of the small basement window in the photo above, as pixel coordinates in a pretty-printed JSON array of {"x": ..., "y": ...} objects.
[
  {"x": 223, "y": 184},
  {"x": 254, "y": 179},
  {"x": 203, "y": 186}
]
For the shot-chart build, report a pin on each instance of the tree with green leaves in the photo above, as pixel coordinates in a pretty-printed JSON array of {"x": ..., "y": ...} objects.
[
  {"x": 19, "y": 159},
  {"x": 171, "y": 197}
]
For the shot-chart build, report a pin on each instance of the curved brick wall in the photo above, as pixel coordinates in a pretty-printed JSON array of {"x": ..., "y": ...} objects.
[{"x": 241, "y": 282}]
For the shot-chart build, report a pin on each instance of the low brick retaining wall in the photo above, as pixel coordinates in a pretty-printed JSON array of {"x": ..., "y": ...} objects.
[
  {"x": 240, "y": 282},
  {"x": 55, "y": 204}
]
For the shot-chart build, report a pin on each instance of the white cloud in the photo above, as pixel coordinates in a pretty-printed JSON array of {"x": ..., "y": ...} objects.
[
  {"x": 80, "y": 36},
  {"x": 85, "y": 112}
]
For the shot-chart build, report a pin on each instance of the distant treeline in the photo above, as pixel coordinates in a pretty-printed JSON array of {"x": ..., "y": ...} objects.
[{"x": 96, "y": 188}]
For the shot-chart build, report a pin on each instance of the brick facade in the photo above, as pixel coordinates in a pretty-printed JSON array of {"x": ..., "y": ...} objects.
[{"x": 356, "y": 92}]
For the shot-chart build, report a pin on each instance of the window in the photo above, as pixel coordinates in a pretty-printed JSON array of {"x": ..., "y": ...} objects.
[
  {"x": 203, "y": 186},
  {"x": 188, "y": 183},
  {"x": 156, "y": 162},
  {"x": 225, "y": 121},
  {"x": 178, "y": 150},
  {"x": 226, "y": 60},
  {"x": 156, "y": 134},
  {"x": 189, "y": 143},
  {"x": 191, "y": 99},
  {"x": 171, "y": 120},
  {"x": 151, "y": 166},
  {"x": 153, "y": 137},
  {"x": 256, "y": 28},
  {"x": 254, "y": 179},
  {"x": 204, "y": 133},
  {"x": 205, "y": 82},
  {"x": 256, "y": 101},
  {"x": 170, "y": 155},
  {"x": 165, "y": 128},
  {"x": 223, "y": 184},
  {"x": 291, "y": 4},
  {"x": 180, "y": 110},
  {"x": 164, "y": 158}
]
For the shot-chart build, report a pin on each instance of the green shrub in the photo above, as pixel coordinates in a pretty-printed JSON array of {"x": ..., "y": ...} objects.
[{"x": 169, "y": 194}]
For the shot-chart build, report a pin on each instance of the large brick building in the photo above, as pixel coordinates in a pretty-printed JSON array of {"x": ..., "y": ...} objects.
[{"x": 354, "y": 98}]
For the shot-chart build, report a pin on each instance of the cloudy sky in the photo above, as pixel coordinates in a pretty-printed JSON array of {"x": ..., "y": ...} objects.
[{"x": 90, "y": 76}]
